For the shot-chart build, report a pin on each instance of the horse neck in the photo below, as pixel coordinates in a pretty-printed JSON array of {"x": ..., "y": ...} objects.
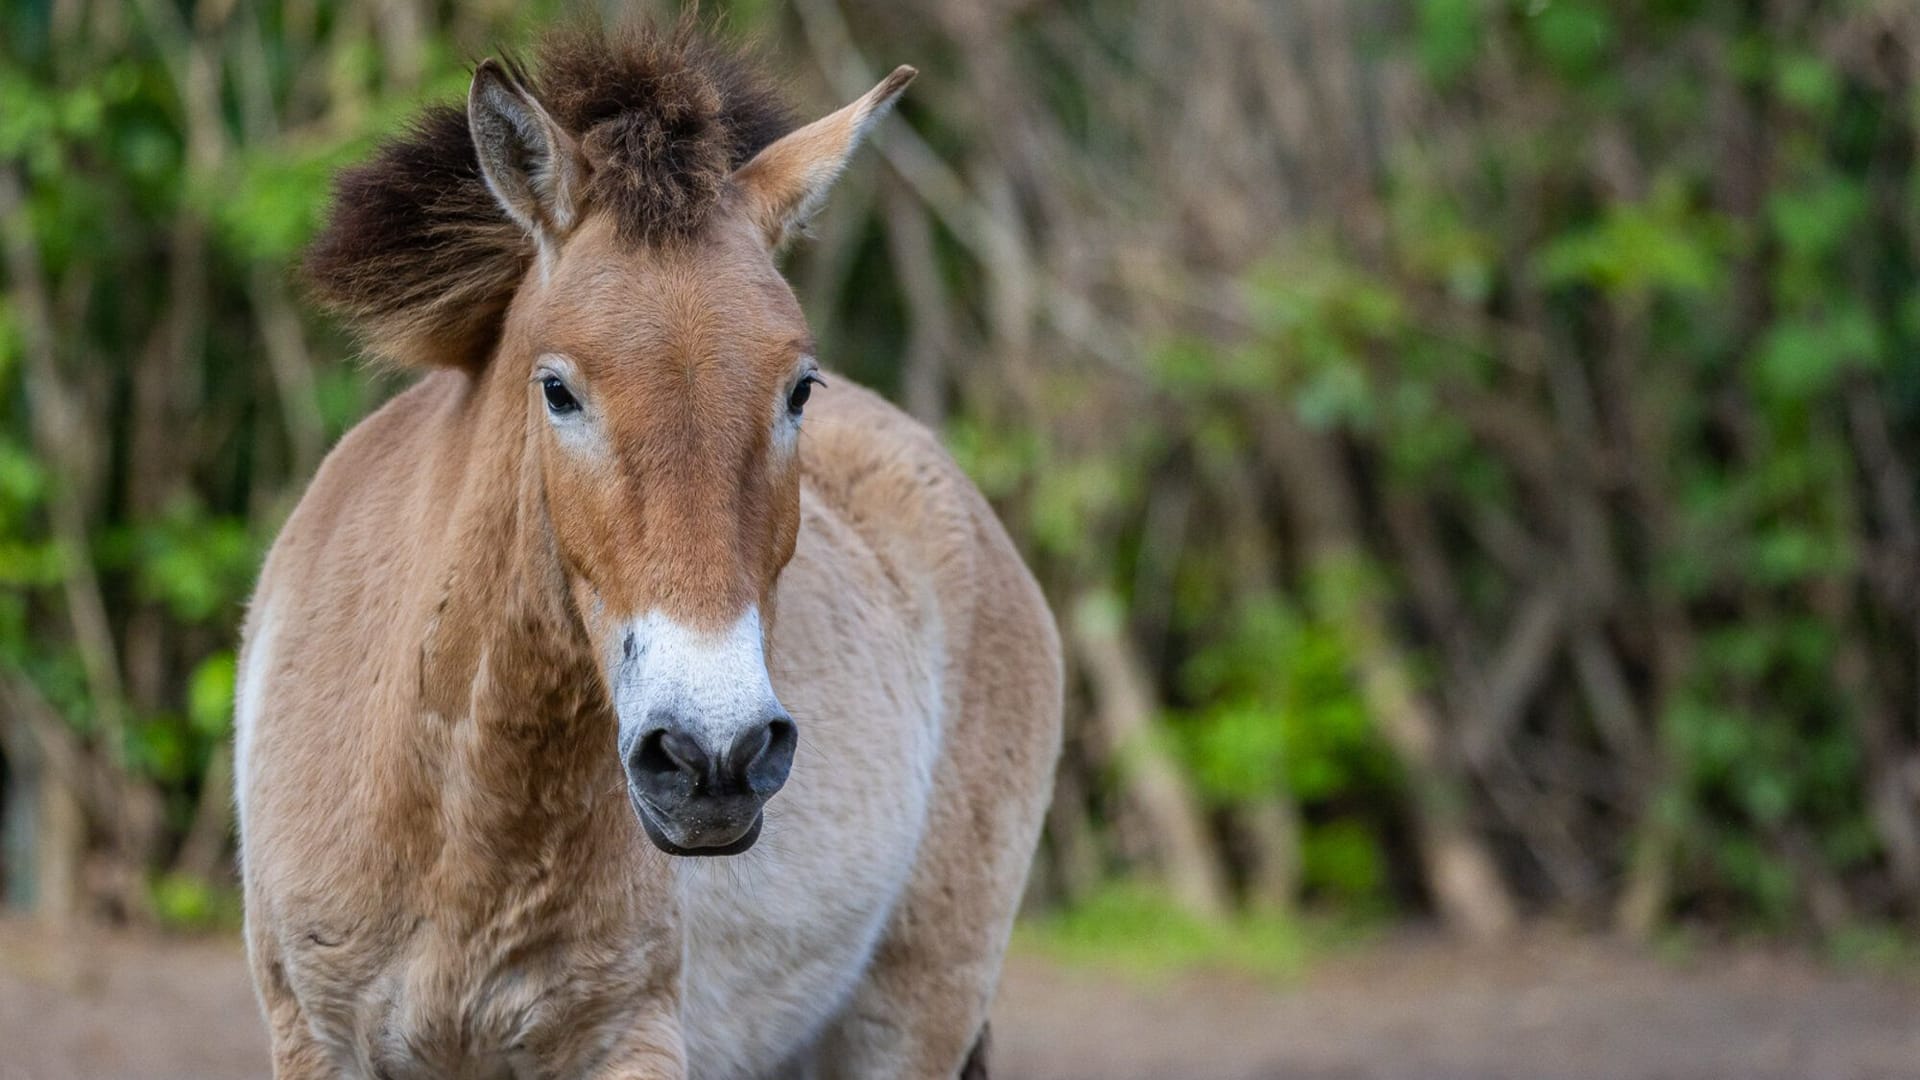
[{"x": 506, "y": 667}]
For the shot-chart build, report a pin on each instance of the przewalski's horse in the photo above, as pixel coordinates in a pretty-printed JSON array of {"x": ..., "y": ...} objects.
[{"x": 569, "y": 609}]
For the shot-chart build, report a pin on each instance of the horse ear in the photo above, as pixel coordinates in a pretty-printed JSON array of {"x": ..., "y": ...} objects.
[
  {"x": 532, "y": 166},
  {"x": 786, "y": 182}
]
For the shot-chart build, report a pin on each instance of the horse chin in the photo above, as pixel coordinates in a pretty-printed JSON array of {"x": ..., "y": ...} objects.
[{"x": 660, "y": 839}]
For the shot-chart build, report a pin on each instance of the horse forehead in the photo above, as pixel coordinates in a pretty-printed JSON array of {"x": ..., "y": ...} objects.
[
  {"x": 678, "y": 296},
  {"x": 680, "y": 329}
]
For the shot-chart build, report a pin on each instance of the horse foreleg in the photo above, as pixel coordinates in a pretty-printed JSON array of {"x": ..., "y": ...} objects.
[
  {"x": 651, "y": 1049},
  {"x": 976, "y": 1064},
  {"x": 297, "y": 1052}
]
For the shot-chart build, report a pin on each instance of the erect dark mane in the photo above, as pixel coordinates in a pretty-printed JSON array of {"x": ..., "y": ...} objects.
[{"x": 417, "y": 254}]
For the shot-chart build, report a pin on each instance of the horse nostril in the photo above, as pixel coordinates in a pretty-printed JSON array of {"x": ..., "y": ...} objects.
[
  {"x": 669, "y": 765},
  {"x": 765, "y": 756},
  {"x": 664, "y": 752}
]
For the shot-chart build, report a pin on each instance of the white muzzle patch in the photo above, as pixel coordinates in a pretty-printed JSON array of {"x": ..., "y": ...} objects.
[
  {"x": 703, "y": 738},
  {"x": 712, "y": 686}
]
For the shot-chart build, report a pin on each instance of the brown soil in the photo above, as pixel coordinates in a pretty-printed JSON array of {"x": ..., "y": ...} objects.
[{"x": 114, "y": 1006}]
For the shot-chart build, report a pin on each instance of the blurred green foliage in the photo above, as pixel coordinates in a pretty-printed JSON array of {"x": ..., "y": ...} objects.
[
  {"x": 168, "y": 164},
  {"x": 1730, "y": 313},
  {"x": 1132, "y": 929},
  {"x": 1660, "y": 254}
]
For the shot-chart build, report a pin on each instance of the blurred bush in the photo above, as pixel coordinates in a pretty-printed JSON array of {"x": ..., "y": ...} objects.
[{"x": 1469, "y": 444}]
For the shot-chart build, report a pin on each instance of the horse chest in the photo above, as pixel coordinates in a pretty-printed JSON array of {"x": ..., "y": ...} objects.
[{"x": 489, "y": 1002}]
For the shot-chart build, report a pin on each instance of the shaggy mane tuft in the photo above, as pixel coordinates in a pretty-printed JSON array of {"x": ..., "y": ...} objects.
[{"x": 418, "y": 256}]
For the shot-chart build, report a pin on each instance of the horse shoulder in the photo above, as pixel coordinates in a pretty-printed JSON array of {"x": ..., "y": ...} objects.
[
  {"x": 888, "y": 477},
  {"x": 894, "y": 506},
  {"x": 318, "y": 658}
]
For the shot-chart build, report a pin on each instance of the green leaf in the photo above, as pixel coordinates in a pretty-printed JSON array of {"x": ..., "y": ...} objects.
[
  {"x": 1818, "y": 219},
  {"x": 1572, "y": 35},
  {"x": 1448, "y": 35},
  {"x": 1637, "y": 248},
  {"x": 210, "y": 695},
  {"x": 1807, "y": 82},
  {"x": 1801, "y": 358}
]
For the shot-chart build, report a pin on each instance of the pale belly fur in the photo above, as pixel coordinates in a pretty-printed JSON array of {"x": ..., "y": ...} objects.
[{"x": 777, "y": 937}]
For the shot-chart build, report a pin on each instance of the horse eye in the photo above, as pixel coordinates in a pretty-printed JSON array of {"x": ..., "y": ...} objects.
[
  {"x": 559, "y": 400},
  {"x": 798, "y": 399}
]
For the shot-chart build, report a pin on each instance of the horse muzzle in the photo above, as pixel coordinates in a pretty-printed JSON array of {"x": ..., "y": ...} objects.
[{"x": 697, "y": 798}]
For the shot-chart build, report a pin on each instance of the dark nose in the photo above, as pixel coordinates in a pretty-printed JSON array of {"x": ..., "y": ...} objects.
[{"x": 675, "y": 769}]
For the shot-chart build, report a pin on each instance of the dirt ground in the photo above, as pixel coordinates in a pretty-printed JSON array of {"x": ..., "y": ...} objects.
[{"x": 117, "y": 1007}]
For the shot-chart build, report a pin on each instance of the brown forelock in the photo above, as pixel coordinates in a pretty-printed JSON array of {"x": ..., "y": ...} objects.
[
  {"x": 686, "y": 352},
  {"x": 418, "y": 255},
  {"x": 663, "y": 119}
]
